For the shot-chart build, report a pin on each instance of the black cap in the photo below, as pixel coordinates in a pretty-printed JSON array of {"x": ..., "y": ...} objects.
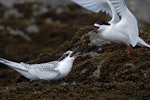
[{"x": 101, "y": 23}]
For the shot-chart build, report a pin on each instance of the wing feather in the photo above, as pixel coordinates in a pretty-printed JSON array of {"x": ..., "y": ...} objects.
[
  {"x": 99, "y": 5},
  {"x": 46, "y": 71},
  {"x": 115, "y": 8},
  {"x": 131, "y": 28}
]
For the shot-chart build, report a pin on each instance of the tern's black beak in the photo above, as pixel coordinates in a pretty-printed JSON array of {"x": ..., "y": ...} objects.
[{"x": 75, "y": 52}]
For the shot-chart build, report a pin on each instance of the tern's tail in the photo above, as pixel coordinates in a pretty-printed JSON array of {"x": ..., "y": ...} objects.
[
  {"x": 12, "y": 64},
  {"x": 142, "y": 43}
]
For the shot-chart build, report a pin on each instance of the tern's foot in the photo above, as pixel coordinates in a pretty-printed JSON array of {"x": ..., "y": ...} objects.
[{"x": 128, "y": 51}]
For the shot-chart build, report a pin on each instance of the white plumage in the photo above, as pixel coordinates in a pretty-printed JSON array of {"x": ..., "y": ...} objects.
[
  {"x": 46, "y": 71},
  {"x": 123, "y": 25}
]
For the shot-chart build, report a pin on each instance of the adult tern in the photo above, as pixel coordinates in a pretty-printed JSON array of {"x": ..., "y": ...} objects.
[{"x": 121, "y": 28}]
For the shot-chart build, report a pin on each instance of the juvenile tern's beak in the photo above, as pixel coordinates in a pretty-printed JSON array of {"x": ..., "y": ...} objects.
[
  {"x": 75, "y": 52},
  {"x": 94, "y": 28}
]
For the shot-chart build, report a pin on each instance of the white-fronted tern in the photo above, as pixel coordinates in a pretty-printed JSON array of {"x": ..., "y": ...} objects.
[
  {"x": 52, "y": 70},
  {"x": 121, "y": 28}
]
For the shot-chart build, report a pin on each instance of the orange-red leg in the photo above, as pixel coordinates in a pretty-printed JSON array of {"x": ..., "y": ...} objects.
[{"x": 128, "y": 51}]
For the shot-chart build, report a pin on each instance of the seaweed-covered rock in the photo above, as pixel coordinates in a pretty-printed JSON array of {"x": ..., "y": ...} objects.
[{"x": 102, "y": 72}]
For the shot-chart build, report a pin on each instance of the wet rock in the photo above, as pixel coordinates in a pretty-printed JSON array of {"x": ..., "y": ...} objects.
[
  {"x": 13, "y": 12},
  {"x": 32, "y": 29},
  {"x": 18, "y": 32}
]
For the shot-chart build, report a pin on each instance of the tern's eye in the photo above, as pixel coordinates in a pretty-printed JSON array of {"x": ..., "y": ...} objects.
[{"x": 66, "y": 55}]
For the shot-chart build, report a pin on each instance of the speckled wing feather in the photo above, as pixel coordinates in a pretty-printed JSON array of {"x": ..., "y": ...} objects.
[{"x": 45, "y": 71}]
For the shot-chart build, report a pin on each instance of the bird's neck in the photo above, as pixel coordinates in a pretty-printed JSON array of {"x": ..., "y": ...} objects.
[
  {"x": 104, "y": 27},
  {"x": 65, "y": 67}
]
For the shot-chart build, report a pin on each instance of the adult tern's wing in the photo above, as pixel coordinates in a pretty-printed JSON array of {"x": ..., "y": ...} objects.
[
  {"x": 99, "y": 5},
  {"x": 130, "y": 28},
  {"x": 45, "y": 71}
]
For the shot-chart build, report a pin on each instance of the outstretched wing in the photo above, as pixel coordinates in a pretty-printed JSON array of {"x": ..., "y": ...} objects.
[
  {"x": 100, "y": 5},
  {"x": 115, "y": 8},
  {"x": 117, "y": 4}
]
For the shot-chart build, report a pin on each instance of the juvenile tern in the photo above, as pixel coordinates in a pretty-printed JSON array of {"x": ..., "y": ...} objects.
[
  {"x": 121, "y": 28},
  {"x": 52, "y": 70}
]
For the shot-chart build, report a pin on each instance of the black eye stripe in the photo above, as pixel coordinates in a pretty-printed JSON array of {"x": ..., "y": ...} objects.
[{"x": 101, "y": 23}]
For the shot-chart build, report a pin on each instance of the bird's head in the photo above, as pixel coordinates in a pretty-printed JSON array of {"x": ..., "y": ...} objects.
[
  {"x": 99, "y": 26},
  {"x": 69, "y": 55}
]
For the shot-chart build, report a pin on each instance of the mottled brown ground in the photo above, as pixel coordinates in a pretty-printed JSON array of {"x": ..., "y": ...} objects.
[{"x": 120, "y": 78}]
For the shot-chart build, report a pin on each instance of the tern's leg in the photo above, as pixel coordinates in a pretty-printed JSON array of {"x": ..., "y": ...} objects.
[{"x": 128, "y": 51}]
